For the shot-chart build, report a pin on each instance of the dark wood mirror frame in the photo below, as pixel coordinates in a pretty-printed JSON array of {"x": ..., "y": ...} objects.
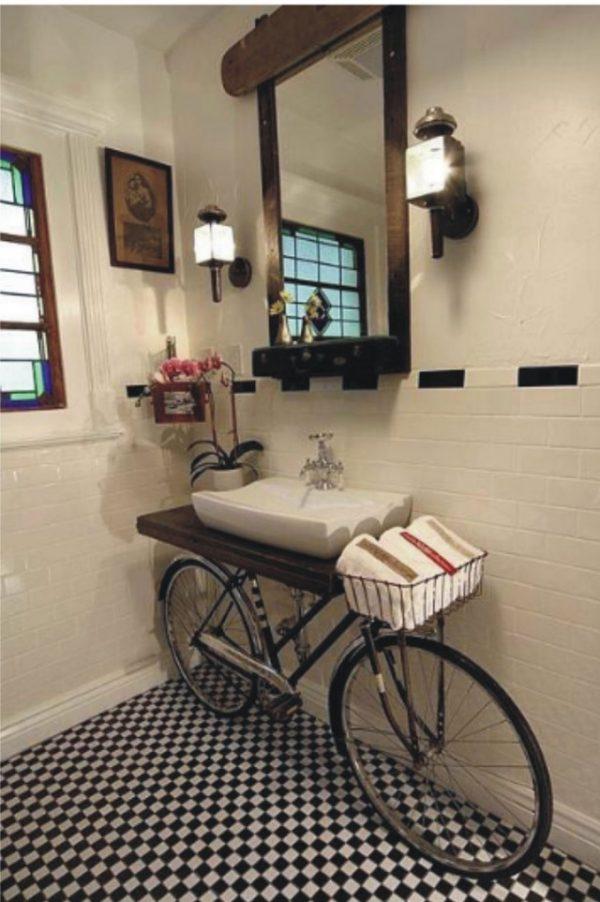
[{"x": 281, "y": 45}]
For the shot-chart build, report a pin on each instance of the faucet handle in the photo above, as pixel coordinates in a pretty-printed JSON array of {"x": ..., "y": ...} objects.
[{"x": 321, "y": 436}]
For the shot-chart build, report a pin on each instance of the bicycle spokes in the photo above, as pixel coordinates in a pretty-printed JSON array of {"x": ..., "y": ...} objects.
[{"x": 439, "y": 757}]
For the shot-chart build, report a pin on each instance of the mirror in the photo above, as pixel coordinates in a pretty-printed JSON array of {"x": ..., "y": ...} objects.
[
  {"x": 332, "y": 175},
  {"x": 332, "y": 126}
]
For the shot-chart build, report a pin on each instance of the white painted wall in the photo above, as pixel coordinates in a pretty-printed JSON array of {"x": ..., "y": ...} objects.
[
  {"x": 77, "y": 614},
  {"x": 515, "y": 470}
]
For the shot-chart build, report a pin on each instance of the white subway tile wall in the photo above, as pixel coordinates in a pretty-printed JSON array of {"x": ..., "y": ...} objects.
[
  {"x": 517, "y": 471},
  {"x": 78, "y": 583}
]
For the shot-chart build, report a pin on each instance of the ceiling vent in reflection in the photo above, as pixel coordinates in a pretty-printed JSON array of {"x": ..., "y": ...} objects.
[{"x": 363, "y": 57}]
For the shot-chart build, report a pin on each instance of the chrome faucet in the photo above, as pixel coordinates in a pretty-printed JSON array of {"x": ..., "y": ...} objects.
[{"x": 324, "y": 472}]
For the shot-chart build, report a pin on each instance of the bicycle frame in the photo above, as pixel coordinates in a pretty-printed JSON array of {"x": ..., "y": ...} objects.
[{"x": 369, "y": 630}]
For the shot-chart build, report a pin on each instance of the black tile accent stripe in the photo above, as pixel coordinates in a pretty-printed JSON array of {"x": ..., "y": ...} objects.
[
  {"x": 134, "y": 391},
  {"x": 442, "y": 379},
  {"x": 548, "y": 375},
  {"x": 244, "y": 387}
]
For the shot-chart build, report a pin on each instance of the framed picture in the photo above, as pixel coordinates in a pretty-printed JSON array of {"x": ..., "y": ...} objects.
[
  {"x": 178, "y": 402},
  {"x": 140, "y": 212}
]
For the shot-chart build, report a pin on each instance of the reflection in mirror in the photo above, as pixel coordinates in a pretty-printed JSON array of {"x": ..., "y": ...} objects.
[{"x": 332, "y": 170}]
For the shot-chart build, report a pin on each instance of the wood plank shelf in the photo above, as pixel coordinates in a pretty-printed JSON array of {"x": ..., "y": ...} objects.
[{"x": 181, "y": 527}]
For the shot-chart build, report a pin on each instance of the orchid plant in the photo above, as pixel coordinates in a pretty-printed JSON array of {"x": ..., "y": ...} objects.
[{"x": 211, "y": 368}]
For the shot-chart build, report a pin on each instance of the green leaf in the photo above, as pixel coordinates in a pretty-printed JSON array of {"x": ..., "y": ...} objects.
[
  {"x": 204, "y": 456},
  {"x": 245, "y": 448}
]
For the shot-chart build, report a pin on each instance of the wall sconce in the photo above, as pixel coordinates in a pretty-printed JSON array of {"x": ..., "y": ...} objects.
[
  {"x": 214, "y": 247},
  {"x": 435, "y": 179}
]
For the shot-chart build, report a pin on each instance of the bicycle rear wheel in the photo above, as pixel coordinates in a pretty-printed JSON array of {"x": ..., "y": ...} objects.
[
  {"x": 199, "y": 597},
  {"x": 456, "y": 772}
]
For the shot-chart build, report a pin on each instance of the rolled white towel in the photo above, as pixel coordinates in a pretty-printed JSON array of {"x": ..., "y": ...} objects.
[
  {"x": 365, "y": 559},
  {"x": 406, "y": 560},
  {"x": 439, "y": 552}
]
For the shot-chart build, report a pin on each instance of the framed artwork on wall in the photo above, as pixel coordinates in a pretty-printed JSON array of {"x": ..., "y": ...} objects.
[{"x": 140, "y": 212}]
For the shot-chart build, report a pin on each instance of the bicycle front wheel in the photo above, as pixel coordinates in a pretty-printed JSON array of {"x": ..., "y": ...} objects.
[{"x": 443, "y": 754}]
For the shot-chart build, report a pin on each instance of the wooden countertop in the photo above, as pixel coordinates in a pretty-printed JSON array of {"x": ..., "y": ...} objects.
[{"x": 181, "y": 527}]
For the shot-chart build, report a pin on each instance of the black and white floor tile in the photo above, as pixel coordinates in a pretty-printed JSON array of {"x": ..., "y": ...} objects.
[{"x": 159, "y": 799}]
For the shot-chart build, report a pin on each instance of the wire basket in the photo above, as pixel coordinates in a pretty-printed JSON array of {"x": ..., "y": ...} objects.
[{"x": 410, "y": 607}]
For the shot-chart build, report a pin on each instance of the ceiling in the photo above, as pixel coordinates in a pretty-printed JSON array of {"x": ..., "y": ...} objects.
[{"x": 155, "y": 26}]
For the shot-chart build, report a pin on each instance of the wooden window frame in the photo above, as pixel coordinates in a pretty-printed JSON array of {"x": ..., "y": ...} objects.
[
  {"x": 48, "y": 324},
  {"x": 358, "y": 245}
]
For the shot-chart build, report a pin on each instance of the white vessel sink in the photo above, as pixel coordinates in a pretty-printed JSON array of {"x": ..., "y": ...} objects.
[{"x": 287, "y": 514}]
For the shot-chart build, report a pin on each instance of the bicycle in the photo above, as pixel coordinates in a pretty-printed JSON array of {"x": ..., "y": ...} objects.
[{"x": 470, "y": 791}]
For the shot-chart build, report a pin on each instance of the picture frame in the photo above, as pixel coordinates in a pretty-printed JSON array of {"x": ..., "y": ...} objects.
[
  {"x": 179, "y": 402},
  {"x": 139, "y": 195}
]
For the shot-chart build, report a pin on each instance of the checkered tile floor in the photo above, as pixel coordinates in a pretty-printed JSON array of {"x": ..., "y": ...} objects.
[{"x": 159, "y": 799}]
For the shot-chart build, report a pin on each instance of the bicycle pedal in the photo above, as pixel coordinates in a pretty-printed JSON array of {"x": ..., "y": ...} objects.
[{"x": 283, "y": 707}]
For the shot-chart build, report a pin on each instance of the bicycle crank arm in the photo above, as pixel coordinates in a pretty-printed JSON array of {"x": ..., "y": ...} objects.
[{"x": 241, "y": 662}]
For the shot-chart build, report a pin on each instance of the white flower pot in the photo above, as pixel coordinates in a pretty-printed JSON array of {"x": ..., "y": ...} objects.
[{"x": 223, "y": 480}]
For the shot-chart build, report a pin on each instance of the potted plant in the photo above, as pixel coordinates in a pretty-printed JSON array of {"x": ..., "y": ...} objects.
[{"x": 221, "y": 469}]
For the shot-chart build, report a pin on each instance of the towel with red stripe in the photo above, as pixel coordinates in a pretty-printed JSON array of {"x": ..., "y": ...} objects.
[{"x": 409, "y": 557}]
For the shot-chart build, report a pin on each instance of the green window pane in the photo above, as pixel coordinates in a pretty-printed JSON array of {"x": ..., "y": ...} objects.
[
  {"x": 20, "y": 344},
  {"x": 351, "y": 316},
  {"x": 329, "y": 274},
  {"x": 17, "y": 257},
  {"x": 291, "y": 289},
  {"x": 348, "y": 257},
  {"x": 349, "y": 277},
  {"x": 289, "y": 268},
  {"x": 307, "y": 250},
  {"x": 352, "y": 330},
  {"x": 307, "y": 271},
  {"x": 329, "y": 253},
  {"x": 16, "y": 375},
  {"x": 351, "y": 299},
  {"x": 19, "y": 309},
  {"x": 17, "y": 181},
  {"x": 304, "y": 292},
  {"x": 6, "y": 184},
  {"x": 289, "y": 246},
  {"x": 17, "y": 283}
]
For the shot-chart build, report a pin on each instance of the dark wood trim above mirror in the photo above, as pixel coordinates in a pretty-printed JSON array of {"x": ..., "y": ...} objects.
[
  {"x": 388, "y": 353},
  {"x": 286, "y": 41}
]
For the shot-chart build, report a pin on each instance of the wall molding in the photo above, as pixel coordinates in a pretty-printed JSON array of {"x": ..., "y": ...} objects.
[
  {"x": 57, "y": 113},
  {"x": 74, "y": 438},
  {"x": 70, "y": 710},
  {"x": 83, "y": 131}
]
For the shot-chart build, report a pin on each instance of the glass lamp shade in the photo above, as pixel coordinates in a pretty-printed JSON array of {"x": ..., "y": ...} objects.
[
  {"x": 213, "y": 243},
  {"x": 427, "y": 170}
]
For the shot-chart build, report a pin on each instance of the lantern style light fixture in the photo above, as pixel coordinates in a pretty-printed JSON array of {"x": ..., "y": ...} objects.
[
  {"x": 214, "y": 247},
  {"x": 435, "y": 179}
]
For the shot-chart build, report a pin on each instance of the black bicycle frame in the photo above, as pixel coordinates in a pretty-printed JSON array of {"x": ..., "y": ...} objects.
[
  {"x": 273, "y": 647},
  {"x": 369, "y": 632}
]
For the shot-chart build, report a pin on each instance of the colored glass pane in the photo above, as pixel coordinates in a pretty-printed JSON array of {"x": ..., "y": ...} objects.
[
  {"x": 24, "y": 382},
  {"x": 320, "y": 261}
]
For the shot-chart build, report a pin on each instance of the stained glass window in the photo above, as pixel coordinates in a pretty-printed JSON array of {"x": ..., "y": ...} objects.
[
  {"x": 332, "y": 265},
  {"x": 30, "y": 360}
]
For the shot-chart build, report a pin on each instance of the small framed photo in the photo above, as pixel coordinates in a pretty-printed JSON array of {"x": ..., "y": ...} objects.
[
  {"x": 140, "y": 212},
  {"x": 178, "y": 402}
]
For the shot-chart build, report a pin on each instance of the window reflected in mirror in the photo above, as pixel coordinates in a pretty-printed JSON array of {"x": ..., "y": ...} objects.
[{"x": 332, "y": 171}]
